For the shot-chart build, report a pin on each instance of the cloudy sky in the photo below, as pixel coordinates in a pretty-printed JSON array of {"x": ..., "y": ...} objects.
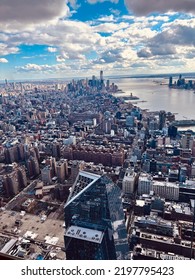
[{"x": 74, "y": 38}]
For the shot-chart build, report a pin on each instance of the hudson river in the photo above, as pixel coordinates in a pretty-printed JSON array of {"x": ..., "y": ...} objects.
[{"x": 158, "y": 96}]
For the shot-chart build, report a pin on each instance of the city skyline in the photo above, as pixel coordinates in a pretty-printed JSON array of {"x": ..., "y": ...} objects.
[
  {"x": 85, "y": 174},
  {"x": 59, "y": 39}
]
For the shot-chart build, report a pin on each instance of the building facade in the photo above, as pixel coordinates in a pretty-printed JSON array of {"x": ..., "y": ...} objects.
[{"x": 94, "y": 220}]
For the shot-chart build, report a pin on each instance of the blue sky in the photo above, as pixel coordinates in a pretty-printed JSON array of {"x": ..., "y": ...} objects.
[{"x": 61, "y": 38}]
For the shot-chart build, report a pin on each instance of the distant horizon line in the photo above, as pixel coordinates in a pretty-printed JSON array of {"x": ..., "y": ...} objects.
[{"x": 165, "y": 75}]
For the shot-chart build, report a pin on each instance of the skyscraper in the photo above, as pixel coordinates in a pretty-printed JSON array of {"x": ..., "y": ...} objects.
[
  {"x": 187, "y": 140},
  {"x": 101, "y": 76},
  {"x": 170, "y": 81},
  {"x": 94, "y": 220},
  {"x": 162, "y": 119},
  {"x": 61, "y": 170}
]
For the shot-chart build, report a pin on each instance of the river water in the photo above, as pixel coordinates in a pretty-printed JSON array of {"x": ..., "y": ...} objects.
[{"x": 158, "y": 96}]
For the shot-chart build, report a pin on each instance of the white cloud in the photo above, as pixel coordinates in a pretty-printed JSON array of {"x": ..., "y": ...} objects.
[
  {"x": 136, "y": 33},
  {"x": 190, "y": 22},
  {"x": 3, "y": 60},
  {"x": 73, "y": 38},
  {"x": 6, "y": 49},
  {"x": 26, "y": 15},
  {"x": 131, "y": 43},
  {"x": 60, "y": 58},
  {"x": 110, "y": 18},
  {"x": 96, "y": 1},
  {"x": 164, "y": 18},
  {"x": 110, "y": 27},
  {"x": 28, "y": 11},
  {"x": 74, "y": 4},
  {"x": 52, "y": 50},
  {"x": 143, "y": 7},
  {"x": 128, "y": 17},
  {"x": 30, "y": 67}
]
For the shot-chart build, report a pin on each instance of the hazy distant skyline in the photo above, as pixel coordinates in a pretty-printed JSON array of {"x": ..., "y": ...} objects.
[{"x": 61, "y": 38}]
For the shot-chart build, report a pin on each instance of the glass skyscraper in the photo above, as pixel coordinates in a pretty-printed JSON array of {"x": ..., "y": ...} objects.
[{"x": 94, "y": 220}]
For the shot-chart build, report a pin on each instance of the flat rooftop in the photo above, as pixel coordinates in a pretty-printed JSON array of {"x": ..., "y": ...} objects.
[
  {"x": 90, "y": 235},
  {"x": 25, "y": 249},
  {"x": 48, "y": 230},
  {"x": 161, "y": 255}
]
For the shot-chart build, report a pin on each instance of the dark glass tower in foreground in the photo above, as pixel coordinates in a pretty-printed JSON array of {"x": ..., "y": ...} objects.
[{"x": 94, "y": 220}]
